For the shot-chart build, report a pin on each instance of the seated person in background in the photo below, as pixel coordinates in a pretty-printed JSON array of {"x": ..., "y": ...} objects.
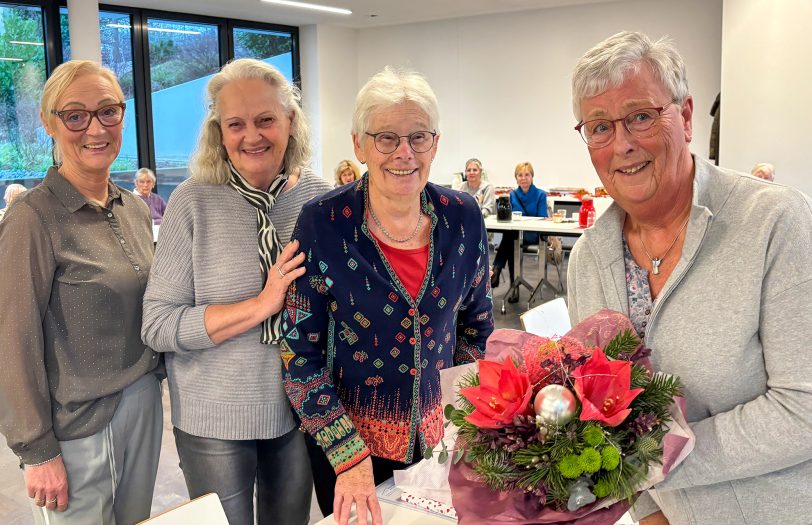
[
  {"x": 477, "y": 188},
  {"x": 531, "y": 201},
  {"x": 144, "y": 183},
  {"x": 764, "y": 170},
  {"x": 346, "y": 172},
  {"x": 12, "y": 190}
]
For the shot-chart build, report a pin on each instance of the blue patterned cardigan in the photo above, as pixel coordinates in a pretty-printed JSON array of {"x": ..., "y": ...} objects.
[{"x": 361, "y": 359}]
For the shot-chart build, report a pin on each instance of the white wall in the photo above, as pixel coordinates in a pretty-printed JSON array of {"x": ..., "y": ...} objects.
[
  {"x": 503, "y": 81},
  {"x": 766, "y": 88},
  {"x": 329, "y": 87}
]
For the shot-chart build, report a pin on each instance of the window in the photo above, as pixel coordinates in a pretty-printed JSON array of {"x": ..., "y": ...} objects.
[
  {"x": 273, "y": 47},
  {"x": 164, "y": 62},
  {"x": 25, "y": 148},
  {"x": 182, "y": 59},
  {"x": 117, "y": 54}
]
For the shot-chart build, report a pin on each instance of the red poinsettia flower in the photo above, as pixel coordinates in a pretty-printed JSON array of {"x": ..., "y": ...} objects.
[
  {"x": 503, "y": 392},
  {"x": 602, "y": 387}
]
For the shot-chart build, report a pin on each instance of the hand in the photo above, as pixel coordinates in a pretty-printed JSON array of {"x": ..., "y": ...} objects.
[
  {"x": 47, "y": 484},
  {"x": 286, "y": 270},
  {"x": 358, "y": 485},
  {"x": 658, "y": 518}
]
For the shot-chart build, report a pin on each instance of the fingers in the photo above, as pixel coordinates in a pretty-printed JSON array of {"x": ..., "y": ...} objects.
[
  {"x": 50, "y": 502},
  {"x": 337, "y": 499},
  {"x": 62, "y": 497},
  {"x": 288, "y": 253},
  {"x": 375, "y": 509},
  {"x": 361, "y": 509},
  {"x": 346, "y": 508}
]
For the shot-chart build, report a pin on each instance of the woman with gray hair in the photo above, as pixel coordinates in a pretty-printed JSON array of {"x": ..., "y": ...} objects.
[
  {"x": 12, "y": 190},
  {"x": 144, "y": 184},
  {"x": 396, "y": 290},
  {"x": 722, "y": 295},
  {"x": 221, "y": 270}
]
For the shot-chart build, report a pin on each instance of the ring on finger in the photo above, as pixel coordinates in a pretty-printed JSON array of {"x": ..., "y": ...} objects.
[
  {"x": 39, "y": 501},
  {"x": 50, "y": 501},
  {"x": 281, "y": 273}
]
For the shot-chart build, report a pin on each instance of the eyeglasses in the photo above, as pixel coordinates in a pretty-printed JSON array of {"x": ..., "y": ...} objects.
[
  {"x": 79, "y": 119},
  {"x": 600, "y": 132},
  {"x": 387, "y": 141}
]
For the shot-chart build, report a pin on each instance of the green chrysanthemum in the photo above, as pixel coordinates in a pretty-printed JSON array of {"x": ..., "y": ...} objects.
[
  {"x": 593, "y": 436},
  {"x": 602, "y": 488},
  {"x": 590, "y": 460},
  {"x": 570, "y": 466},
  {"x": 610, "y": 458}
]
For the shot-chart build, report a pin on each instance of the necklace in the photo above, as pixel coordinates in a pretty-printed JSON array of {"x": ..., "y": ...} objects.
[
  {"x": 655, "y": 261},
  {"x": 386, "y": 233}
]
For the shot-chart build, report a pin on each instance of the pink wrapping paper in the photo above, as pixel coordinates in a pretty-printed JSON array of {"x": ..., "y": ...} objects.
[{"x": 476, "y": 504}]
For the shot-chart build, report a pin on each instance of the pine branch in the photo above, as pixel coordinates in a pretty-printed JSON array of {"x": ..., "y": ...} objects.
[{"x": 626, "y": 342}]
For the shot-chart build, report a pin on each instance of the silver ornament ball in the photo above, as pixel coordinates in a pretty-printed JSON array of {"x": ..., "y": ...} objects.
[{"x": 554, "y": 405}]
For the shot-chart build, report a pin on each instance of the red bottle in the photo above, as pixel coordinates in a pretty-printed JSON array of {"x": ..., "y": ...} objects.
[{"x": 586, "y": 216}]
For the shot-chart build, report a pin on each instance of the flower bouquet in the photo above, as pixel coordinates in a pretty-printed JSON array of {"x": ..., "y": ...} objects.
[{"x": 565, "y": 430}]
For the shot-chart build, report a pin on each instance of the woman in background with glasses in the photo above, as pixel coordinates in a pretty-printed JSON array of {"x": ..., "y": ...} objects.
[
  {"x": 396, "y": 289},
  {"x": 80, "y": 402},
  {"x": 714, "y": 269}
]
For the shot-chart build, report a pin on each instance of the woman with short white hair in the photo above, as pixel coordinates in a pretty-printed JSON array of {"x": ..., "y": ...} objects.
[
  {"x": 12, "y": 190},
  {"x": 144, "y": 184},
  {"x": 396, "y": 290}
]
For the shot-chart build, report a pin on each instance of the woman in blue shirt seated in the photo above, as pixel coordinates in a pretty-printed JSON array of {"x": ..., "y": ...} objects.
[{"x": 531, "y": 201}]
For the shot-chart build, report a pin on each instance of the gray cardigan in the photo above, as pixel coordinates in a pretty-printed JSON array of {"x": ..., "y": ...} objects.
[
  {"x": 734, "y": 321},
  {"x": 207, "y": 254}
]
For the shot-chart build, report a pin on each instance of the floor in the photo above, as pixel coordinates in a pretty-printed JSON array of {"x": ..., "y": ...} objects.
[{"x": 170, "y": 489}]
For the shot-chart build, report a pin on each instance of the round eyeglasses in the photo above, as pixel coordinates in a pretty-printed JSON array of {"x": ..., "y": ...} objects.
[
  {"x": 79, "y": 119},
  {"x": 600, "y": 132},
  {"x": 388, "y": 141}
]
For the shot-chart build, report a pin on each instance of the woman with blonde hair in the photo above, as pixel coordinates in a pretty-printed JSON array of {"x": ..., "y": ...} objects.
[
  {"x": 346, "y": 172},
  {"x": 80, "y": 402},
  {"x": 221, "y": 272}
]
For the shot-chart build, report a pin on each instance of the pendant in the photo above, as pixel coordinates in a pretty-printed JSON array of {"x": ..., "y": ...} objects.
[{"x": 655, "y": 266}]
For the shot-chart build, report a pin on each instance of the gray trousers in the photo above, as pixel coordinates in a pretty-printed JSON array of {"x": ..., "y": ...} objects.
[{"x": 111, "y": 474}]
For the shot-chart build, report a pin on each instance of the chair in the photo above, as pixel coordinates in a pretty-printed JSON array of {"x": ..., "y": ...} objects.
[
  {"x": 547, "y": 319},
  {"x": 205, "y": 510}
]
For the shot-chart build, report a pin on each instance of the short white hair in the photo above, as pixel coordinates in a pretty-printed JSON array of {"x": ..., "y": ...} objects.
[
  {"x": 12, "y": 190},
  {"x": 389, "y": 88},
  {"x": 146, "y": 173},
  {"x": 606, "y": 66}
]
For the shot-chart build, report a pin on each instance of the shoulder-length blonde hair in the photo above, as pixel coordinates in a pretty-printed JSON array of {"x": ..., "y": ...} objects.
[
  {"x": 209, "y": 161},
  {"x": 345, "y": 166},
  {"x": 62, "y": 77}
]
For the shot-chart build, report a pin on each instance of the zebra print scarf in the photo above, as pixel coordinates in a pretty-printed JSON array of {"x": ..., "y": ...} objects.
[{"x": 267, "y": 238}]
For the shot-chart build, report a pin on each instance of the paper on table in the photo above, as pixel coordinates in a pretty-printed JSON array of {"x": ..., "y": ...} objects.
[{"x": 428, "y": 478}]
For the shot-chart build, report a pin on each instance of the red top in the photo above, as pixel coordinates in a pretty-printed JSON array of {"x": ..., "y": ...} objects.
[{"x": 409, "y": 265}]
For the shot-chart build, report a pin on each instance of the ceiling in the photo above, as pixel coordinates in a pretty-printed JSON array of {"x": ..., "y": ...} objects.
[{"x": 365, "y": 13}]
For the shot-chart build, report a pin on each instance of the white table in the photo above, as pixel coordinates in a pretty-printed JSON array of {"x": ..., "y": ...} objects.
[{"x": 542, "y": 225}]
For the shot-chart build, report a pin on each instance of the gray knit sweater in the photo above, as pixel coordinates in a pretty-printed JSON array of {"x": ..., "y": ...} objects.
[
  {"x": 734, "y": 321},
  {"x": 207, "y": 254}
]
